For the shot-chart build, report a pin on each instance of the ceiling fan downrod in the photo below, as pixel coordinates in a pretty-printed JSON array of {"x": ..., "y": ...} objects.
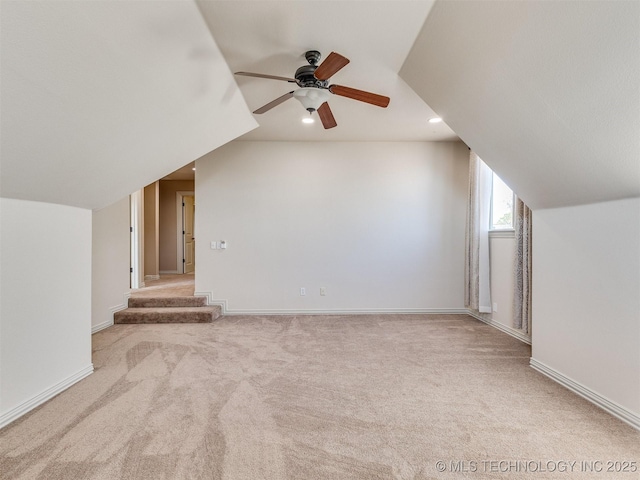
[{"x": 312, "y": 56}]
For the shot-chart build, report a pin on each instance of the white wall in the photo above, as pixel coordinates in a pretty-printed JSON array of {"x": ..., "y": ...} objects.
[
  {"x": 45, "y": 343},
  {"x": 586, "y": 298},
  {"x": 380, "y": 225},
  {"x": 110, "y": 263}
]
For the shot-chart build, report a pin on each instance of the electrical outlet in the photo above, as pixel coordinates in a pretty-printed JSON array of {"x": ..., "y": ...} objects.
[
  {"x": 323, "y": 291},
  {"x": 303, "y": 292},
  {"x": 214, "y": 245}
]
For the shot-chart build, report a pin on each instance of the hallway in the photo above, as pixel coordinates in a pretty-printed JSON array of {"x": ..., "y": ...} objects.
[{"x": 170, "y": 285}]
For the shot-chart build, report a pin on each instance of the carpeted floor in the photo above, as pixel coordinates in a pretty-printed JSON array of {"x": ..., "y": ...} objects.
[
  {"x": 170, "y": 285},
  {"x": 314, "y": 397}
]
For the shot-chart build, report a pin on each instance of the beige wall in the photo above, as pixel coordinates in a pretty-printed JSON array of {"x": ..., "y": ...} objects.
[
  {"x": 380, "y": 226},
  {"x": 168, "y": 222},
  {"x": 586, "y": 279},
  {"x": 45, "y": 285},
  {"x": 151, "y": 230},
  {"x": 110, "y": 262}
]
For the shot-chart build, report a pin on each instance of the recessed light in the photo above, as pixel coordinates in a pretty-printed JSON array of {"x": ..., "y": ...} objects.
[
  {"x": 435, "y": 120},
  {"x": 194, "y": 169},
  {"x": 307, "y": 120}
]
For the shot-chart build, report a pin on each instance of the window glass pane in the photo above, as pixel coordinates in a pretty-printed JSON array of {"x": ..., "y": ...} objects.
[{"x": 502, "y": 205}]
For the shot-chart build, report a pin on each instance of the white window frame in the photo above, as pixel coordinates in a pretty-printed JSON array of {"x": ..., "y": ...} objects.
[{"x": 506, "y": 231}]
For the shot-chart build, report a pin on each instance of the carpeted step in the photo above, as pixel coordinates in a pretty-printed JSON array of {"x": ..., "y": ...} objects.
[
  {"x": 167, "y": 315},
  {"x": 160, "y": 302}
]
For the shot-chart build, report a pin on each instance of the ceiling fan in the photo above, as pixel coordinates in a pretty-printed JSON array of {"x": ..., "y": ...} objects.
[{"x": 313, "y": 80}]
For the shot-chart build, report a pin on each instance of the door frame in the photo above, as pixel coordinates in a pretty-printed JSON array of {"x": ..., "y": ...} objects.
[
  {"x": 136, "y": 228},
  {"x": 179, "y": 224}
]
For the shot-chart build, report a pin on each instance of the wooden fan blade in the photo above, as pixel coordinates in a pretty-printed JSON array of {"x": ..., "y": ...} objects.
[
  {"x": 262, "y": 75},
  {"x": 326, "y": 116},
  {"x": 330, "y": 66},
  {"x": 274, "y": 103},
  {"x": 360, "y": 95}
]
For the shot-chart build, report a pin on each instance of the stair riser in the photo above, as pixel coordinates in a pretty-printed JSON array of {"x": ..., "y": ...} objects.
[
  {"x": 161, "y": 302},
  {"x": 124, "y": 318},
  {"x": 168, "y": 315}
]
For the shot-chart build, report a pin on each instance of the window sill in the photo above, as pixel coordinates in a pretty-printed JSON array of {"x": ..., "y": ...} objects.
[{"x": 504, "y": 233}]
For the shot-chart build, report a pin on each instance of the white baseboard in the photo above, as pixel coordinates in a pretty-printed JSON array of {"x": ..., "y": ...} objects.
[
  {"x": 607, "y": 405},
  {"x": 24, "y": 407},
  {"x": 508, "y": 330},
  {"x": 101, "y": 326},
  {"x": 109, "y": 321},
  {"x": 169, "y": 272},
  {"x": 353, "y": 311},
  {"x": 149, "y": 278},
  {"x": 210, "y": 300}
]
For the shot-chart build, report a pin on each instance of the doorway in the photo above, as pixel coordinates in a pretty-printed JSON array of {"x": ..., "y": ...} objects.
[
  {"x": 188, "y": 239},
  {"x": 185, "y": 238}
]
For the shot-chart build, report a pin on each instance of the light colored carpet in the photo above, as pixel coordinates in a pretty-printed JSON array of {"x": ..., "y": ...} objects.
[
  {"x": 171, "y": 285},
  {"x": 313, "y": 397}
]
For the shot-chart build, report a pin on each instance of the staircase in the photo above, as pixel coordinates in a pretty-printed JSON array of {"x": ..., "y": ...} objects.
[{"x": 167, "y": 310}]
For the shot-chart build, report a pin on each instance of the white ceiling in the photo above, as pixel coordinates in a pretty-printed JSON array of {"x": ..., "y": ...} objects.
[
  {"x": 100, "y": 98},
  {"x": 547, "y": 93},
  {"x": 271, "y": 37}
]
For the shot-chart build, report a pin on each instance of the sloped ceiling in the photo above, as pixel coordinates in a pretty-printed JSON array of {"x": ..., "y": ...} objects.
[
  {"x": 547, "y": 93},
  {"x": 100, "y": 98},
  {"x": 271, "y": 36}
]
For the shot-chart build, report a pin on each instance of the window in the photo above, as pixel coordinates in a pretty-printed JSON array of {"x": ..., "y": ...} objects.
[{"x": 501, "y": 205}]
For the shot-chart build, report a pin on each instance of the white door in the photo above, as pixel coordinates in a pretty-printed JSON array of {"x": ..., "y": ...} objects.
[
  {"x": 135, "y": 227},
  {"x": 189, "y": 242}
]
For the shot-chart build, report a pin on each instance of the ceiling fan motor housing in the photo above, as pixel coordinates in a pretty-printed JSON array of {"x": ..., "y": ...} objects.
[{"x": 304, "y": 77}]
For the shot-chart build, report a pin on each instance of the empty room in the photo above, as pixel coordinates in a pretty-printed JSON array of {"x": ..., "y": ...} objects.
[{"x": 390, "y": 239}]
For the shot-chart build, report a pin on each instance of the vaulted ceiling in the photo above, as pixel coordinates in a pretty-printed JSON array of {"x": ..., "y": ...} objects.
[
  {"x": 547, "y": 93},
  {"x": 99, "y": 98},
  {"x": 376, "y": 36}
]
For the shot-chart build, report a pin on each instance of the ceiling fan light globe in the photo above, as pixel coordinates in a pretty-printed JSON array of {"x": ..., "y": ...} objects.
[{"x": 311, "y": 98}]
